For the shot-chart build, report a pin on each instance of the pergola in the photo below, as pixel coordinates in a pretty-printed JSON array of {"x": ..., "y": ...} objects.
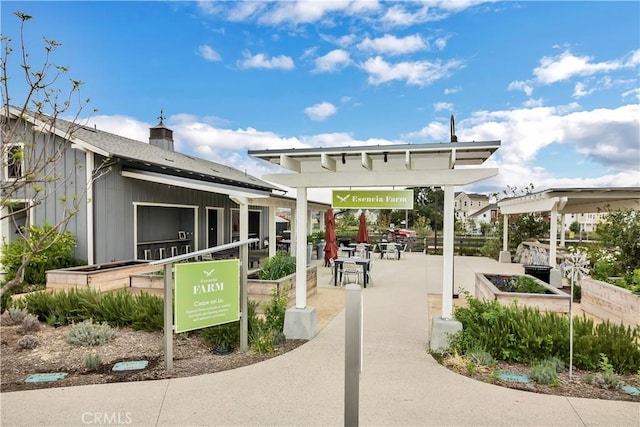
[
  {"x": 443, "y": 165},
  {"x": 562, "y": 201}
]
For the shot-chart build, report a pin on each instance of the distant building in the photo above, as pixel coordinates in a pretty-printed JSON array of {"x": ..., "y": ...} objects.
[
  {"x": 468, "y": 204},
  {"x": 486, "y": 215}
]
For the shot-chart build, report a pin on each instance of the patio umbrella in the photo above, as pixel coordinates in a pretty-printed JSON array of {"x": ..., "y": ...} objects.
[
  {"x": 363, "y": 235},
  {"x": 331, "y": 246}
]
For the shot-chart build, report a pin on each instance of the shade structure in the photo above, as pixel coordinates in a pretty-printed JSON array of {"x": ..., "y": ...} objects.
[
  {"x": 363, "y": 234},
  {"x": 331, "y": 246}
]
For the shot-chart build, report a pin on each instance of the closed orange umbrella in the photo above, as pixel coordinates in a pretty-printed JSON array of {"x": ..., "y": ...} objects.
[
  {"x": 363, "y": 235},
  {"x": 331, "y": 246}
]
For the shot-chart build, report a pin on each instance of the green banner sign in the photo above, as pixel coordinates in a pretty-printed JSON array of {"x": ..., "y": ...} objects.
[
  {"x": 372, "y": 199},
  {"x": 206, "y": 294}
]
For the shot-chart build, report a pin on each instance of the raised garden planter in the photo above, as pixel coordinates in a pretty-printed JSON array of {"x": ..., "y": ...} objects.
[
  {"x": 610, "y": 302},
  {"x": 260, "y": 290},
  {"x": 554, "y": 300},
  {"x": 103, "y": 277}
]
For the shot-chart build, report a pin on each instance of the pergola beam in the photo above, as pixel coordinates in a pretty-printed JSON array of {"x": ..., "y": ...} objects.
[{"x": 411, "y": 178}]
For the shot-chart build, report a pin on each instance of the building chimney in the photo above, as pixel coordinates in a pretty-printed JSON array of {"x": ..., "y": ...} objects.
[{"x": 161, "y": 136}]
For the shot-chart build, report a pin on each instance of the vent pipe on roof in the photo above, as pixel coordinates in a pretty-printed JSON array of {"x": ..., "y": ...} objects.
[
  {"x": 454, "y": 138},
  {"x": 160, "y": 135}
]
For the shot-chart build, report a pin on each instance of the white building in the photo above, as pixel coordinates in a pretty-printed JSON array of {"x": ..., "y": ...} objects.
[{"x": 466, "y": 205}]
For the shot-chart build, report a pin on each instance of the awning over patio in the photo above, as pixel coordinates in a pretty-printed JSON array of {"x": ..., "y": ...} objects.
[{"x": 567, "y": 201}]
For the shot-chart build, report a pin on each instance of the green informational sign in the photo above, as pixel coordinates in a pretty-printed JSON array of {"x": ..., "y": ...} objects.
[
  {"x": 372, "y": 199},
  {"x": 207, "y": 294}
]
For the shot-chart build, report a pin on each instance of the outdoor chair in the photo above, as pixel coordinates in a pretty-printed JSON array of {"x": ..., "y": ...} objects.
[
  {"x": 350, "y": 269},
  {"x": 403, "y": 251},
  {"x": 332, "y": 266},
  {"x": 390, "y": 251},
  {"x": 361, "y": 251}
]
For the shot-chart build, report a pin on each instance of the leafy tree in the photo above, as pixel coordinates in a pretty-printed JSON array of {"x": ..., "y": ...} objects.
[
  {"x": 621, "y": 229},
  {"x": 575, "y": 227},
  {"x": 34, "y": 153},
  {"x": 429, "y": 203}
]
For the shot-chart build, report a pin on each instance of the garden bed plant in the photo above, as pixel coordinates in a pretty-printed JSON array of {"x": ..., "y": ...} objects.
[{"x": 495, "y": 339}]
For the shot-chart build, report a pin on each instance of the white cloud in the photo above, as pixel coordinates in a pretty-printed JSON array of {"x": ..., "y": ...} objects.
[
  {"x": 566, "y": 65},
  {"x": 332, "y": 61},
  {"x": 243, "y": 10},
  {"x": 418, "y": 73},
  {"x": 607, "y": 137},
  {"x": 440, "y": 106},
  {"x": 521, "y": 85},
  {"x": 392, "y": 45},
  {"x": 321, "y": 111},
  {"x": 260, "y": 60},
  {"x": 209, "y": 53},
  {"x": 580, "y": 90}
]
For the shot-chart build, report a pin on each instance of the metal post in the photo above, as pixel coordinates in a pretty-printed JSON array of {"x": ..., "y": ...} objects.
[
  {"x": 352, "y": 353},
  {"x": 244, "y": 305},
  {"x": 168, "y": 316}
]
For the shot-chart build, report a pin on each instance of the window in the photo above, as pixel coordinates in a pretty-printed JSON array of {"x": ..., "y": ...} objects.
[{"x": 14, "y": 162}]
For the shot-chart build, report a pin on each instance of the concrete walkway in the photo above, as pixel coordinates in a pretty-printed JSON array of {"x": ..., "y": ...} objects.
[{"x": 400, "y": 385}]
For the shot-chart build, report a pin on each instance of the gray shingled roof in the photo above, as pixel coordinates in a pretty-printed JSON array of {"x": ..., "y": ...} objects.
[{"x": 169, "y": 162}]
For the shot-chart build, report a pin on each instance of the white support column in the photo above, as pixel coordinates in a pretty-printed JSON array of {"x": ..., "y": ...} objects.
[
  {"x": 301, "y": 247},
  {"x": 553, "y": 236},
  {"x": 293, "y": 236},
  {"x": 272, "y": 231},
  {"x": 309, "y": 221},
  {"x": 447, "y": 254},
  {"x": 443, "y": 326},
  {"x": 505, "y": 256},
  {"x": 301, "y": 321},
  {"x": 563, "y": 223},
  {"x": 505, "y": 233},
  {"x": 90, "y": 212},
  {"x": 555, "y": 275}
]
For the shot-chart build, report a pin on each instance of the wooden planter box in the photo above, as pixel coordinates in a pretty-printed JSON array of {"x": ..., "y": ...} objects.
[
  {"x": 557, "y": 301},
  {"x": 103, "y": 277},
  {"x": 610, "y": 302},
  {"x": 260, "y": 290}
]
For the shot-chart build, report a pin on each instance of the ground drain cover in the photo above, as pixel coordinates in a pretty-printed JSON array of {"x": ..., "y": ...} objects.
[
  {"x": 634, "y": 391},
  {"x": 514, "y": 378},
  {"x": 130, "y": 366},
  {"x": 45, "y": 378}
]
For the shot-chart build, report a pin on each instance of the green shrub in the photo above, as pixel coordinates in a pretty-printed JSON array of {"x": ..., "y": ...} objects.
[
  {"x": 480, "y": 357},
  {"x": 526, "y": 335},
  {"x": 29, "y": 324},
  {"x": 276, "y": 308},
  {"x": 88, "y": 333},
  {"x": 55, "y": 251},
  {"x": 13, "y": 316},
  {"x": 28, "y": 342},
  {"x": 92, "y": 361},
  {"x": 607, "y": 377},
  {"x": 225, "y": 336},
  {"x": 543, "y": 373},
  {"x": 555, "y": 362},
  {"x": 278, "y": 266},
  {"x": 120, "y": 308},
  {"x": 262, "y": 339}
]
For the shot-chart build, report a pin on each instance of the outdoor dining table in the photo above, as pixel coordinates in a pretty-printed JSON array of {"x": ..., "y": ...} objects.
[
  {"x": 337, "y": 267},
  {"x": 347, "y": 249}
]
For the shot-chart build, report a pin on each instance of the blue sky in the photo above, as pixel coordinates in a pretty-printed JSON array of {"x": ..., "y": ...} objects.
[{"x": 556, "y": 82}]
